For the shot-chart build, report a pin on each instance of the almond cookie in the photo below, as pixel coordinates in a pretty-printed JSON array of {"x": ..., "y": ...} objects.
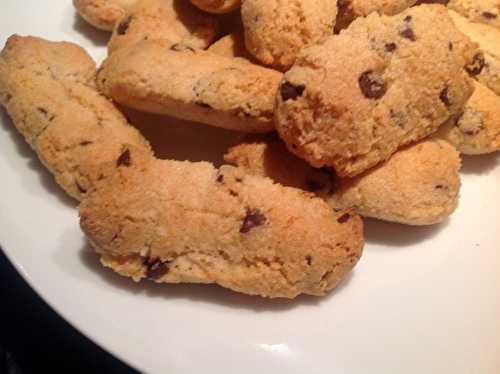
[
  {"x": 47, "y": 90},
  {"x": 486, "y": 64},
  {"x": 190, "y": 84},
  {"x": 349, "y": 10},
  {"x": 478, "y": 129},
  {"x": 217, "y": 6},
  {"x": 103, "y": 14},
  {"x": 232, "y": 45},
  {"x": 482, "y": 11},
  {"x": 177, "y": 21},
  {"x": 277, "y": 30},
  {"x": 418, "y": 185},
  {"x": 186, "y": 222},
  {"x": 404, "y": 79}
]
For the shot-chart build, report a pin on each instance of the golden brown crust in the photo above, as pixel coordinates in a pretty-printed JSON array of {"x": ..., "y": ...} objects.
[
  {"x": 47, "y": 89},
  {"x": 189, "y": 222},
  {"x": 103, "y": 14}
]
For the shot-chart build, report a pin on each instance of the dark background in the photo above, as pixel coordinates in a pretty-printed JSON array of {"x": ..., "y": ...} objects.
[{"x": 34, "y": 339}]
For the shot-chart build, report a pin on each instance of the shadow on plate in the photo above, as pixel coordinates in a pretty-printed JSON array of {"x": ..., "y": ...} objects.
[
  {"x": 99, "y": 38},
  {"x": 481, "y": 164},
  {"x": 398, "y": 235},
  {"x": 200, "y": 292},
  {"x": 24, "y": 150}
]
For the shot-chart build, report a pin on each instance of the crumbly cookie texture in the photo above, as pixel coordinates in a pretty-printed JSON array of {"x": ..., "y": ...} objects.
[
  {"x": 217, "y": 6},
  {"x": 481, "y": 11},
  {"x": 277, "y": 30},
  {"x": 478, "y": 129},
  {"x": 179, "y": 22},
  {"x": 418, "y": 185},
  {"x": 486, "y": 64},
  {"x": 349, "y": 10},
  {"x": 176, "y": 222},
  {"x": 103, "y": 14},
  {"x": 404, "y": 79},
  {"x": 47, "y": 89},
  {"x": 232, "y": 45},
  {"x": 194, "y": 85}
]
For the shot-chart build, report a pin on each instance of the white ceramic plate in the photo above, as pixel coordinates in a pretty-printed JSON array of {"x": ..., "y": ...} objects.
[{"x": 422, "y": 300}]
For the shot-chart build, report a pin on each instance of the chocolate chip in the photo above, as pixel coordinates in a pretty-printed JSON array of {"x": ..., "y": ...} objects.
[
  {"x": 450, "y": 46},
  {"x": 439, "y": 187},
  {"x": 476, "y": 66},
  {"x": 344, "y": 218},
  {"x": 178, "y": 47},
  {"x": 123, "y": 26},
  {"x": 220, "y": 178},
  {"x": 156, "y": 269},
  {"x": 124, "y": 159},
  {"x": 8, "y": 98},
  {"x": 489, "y": 15},
  {"x": 372, "y": 85},
  {"x": 408, "y": 18},
  {"x": 85, "y": 143},
  {"x": 390, "y": 47},
  {"x": 408, "y": 33},
  {"x": 252, "y": 219},
  {"x": 290, "y": 91},
  {"x": 309, "y": 260},
  {"x": 444, "y": 96}
]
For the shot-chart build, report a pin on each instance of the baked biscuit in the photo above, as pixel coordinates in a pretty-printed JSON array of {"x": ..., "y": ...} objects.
[
  {"x": 103, "y": 14},
  {"x": 194, "y": 85},
  {"x": 418, "y": 185},
  {"x": 404, "y": 79},
  {"x": 482, "y": 11},
  {"x": 478, "y": 129},
  {"x": 276, "y": 30},
  {"x": 349, "y": 10},
  {"x": 47, "y": 89},
  {"x": 217, "y": 6},
  {"x": 486, "y": 64},
  {"x": 176, "y": 222},
  {"x": 177, "y": 21}
]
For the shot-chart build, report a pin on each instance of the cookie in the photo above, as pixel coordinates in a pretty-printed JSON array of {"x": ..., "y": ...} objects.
[
  {"x": 418, "y": 185},
  {"x": 103, "y": 14},
  {"x": 276, "y": 31},
  {"x": 349, "y": 10},
  {"x": 47, "y": 90},
  {"x": 217, "y": 6},
  {"x": 478, "y": 129},
  {"x": 232, "y": 45},
  {"x": 177, "y": 21},
  {"x": 486, "y": 64},
  {"x": 194, "y": 85},
  {"x": 182, "y": 222},
  {"x": 404, "y": 79},
  {"x": 481, "y": 11}
]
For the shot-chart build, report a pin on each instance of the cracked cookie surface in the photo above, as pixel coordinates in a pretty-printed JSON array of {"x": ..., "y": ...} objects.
[
  {"x": 176, "y": 222},
  {"x": 47, "y": 89},
  {"x": 194, "y": 85},
  {"x": 418, "y": 185},
  {"x": 405, "y": 78}
]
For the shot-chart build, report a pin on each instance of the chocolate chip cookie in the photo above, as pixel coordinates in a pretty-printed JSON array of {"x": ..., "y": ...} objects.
[
  {"x": 404, "y": 78},
  {"x": 103, "y": 14}
]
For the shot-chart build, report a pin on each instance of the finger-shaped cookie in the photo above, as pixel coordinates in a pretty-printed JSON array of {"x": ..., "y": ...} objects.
[
  {"x": 478, "y": 129},
  {"x": 103, "y": 14},
  {"x": 194, "y": 85},
  {"x": 176, "y": 222},
  {"x": 482, "y": 11},
  {"x": 418, "y": 185},
  {"x": 232, "y": 45},
  {"x": 404, "y": 79},
  {"x": 486, "y": 64},
  {"x": 177, "y": 21},
  {"x": 217, "y": 6},
  {"x": 349, "y": 10},
  {"x": 47, "y": 90},
  {"x": 276, "y": 30}
]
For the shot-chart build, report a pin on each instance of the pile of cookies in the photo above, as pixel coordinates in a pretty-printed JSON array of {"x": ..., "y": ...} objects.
[{"x": 351, "y": 109}]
